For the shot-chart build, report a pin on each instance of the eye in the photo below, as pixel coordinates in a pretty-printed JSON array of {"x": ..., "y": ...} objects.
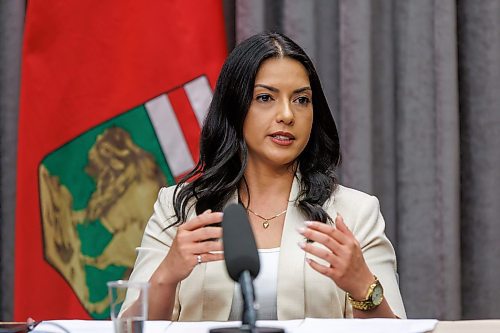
[
  {"x": 263, "y": 98},
  {"x": 303, "y": 100}
]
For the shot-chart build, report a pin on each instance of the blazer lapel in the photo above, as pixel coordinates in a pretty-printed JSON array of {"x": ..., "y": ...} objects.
[
  {"x": 290, "y": 292},
  {"x": 218, "y": 288}
]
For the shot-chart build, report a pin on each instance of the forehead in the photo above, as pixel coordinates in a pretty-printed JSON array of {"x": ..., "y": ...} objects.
[{"x": 275, "y": 71}]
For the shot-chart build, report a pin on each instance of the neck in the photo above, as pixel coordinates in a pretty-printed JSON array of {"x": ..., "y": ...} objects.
[{"x": 265, "y": 183}]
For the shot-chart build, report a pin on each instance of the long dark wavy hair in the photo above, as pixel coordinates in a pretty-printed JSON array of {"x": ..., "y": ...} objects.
[{"x": 223, "y": 151}]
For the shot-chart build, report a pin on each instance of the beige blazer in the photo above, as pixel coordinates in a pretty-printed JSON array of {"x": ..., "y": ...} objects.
[{"x": 207, "y": 293}]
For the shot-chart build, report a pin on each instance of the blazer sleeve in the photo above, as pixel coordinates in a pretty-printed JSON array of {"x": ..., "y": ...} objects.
[
  {"x": 156, "y": 243},
  {"x": 378, "y": 252}
]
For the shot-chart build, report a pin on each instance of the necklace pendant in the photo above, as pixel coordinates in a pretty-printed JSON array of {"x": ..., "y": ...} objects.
[{"x": 265, "y": 224}]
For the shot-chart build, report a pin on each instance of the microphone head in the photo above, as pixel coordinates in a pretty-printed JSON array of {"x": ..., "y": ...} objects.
[{"x": 240, "y": 250}]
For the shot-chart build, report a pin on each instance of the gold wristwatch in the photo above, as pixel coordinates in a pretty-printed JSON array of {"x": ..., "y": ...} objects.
[{"x": 374, "y": 297}]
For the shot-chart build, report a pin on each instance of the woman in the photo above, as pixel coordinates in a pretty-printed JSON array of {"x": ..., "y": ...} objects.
[{"x": 270, "y": 142}]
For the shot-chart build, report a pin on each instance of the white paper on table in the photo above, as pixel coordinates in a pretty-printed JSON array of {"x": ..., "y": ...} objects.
[
  {"x": 92, "y": 326},
  {"x": 74, "y": 326},
  {"x": 367, "y": 325},
  {"x": 204, "y": 327}
]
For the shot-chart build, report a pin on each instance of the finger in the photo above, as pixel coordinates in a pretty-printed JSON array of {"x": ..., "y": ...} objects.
[
  {"x": 332, "y": 231},
  {"x": 208, "y": 257},
  {"x": 202, "y": 220},
  {"x": 322, "y": 253},
  {"x": 203, "y": 234},
  {"x": 320, "y": 268},
  {"x": 341, "y": 226},
  {"x": 322, "y": 238},
  {"x": 208, "y": 246}
]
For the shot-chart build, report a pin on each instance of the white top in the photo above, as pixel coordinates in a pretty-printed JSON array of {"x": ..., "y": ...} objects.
[{"x": 265, "y": 286}]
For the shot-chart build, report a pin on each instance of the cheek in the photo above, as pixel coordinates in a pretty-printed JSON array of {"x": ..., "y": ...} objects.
[
  {"x": 250, "y": 127},
  {"x": 254, "y": 123},
  {"x": 307, "y": 124},
  {"x": 306, "y": 131}
]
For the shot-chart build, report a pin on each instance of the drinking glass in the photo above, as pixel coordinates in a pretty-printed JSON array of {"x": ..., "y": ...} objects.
[{"x": 132, "y": 319}]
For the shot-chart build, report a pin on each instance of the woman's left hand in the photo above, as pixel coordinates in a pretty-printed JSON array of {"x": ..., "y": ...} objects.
[{"x": 347, "y": 266}]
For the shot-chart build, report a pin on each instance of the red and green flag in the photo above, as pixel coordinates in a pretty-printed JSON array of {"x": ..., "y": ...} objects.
[{"x": 113, "y": 96}]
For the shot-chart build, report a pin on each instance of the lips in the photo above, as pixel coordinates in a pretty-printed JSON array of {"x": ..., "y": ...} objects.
[
  {"x": 284, "y": 135},
  {"x": 282, "y": 138}
]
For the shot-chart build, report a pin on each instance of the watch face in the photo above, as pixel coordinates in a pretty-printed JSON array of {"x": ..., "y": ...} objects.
[{"x": 378, "y": 294}]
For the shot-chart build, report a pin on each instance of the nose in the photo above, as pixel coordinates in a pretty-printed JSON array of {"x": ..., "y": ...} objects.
[{"x": 285, "y": 114}]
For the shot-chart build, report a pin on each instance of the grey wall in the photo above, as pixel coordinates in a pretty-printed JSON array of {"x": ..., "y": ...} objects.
[{"x": 11, "y": 29}]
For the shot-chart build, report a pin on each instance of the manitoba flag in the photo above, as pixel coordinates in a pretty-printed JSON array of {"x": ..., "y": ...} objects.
[{"x": 113, "y": 96}]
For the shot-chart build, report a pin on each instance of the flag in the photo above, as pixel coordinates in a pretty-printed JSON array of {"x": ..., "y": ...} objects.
[{"x": 113, "y": 95}]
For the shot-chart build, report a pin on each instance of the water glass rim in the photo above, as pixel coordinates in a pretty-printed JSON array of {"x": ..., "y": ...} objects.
[{"x": 127, "y": 284}]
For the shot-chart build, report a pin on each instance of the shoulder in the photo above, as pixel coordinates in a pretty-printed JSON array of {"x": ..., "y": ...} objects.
[
  {"x": 360, "y": 210},
  {"x": 165, "y": 197},
  {"x": 166, "y": 194},
  {"x": 348, "y": 197},
  {"x": 165, "y": 201},
  {"x": 164, "y": 205}
]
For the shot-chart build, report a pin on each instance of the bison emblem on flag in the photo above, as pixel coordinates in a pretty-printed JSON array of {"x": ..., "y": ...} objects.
[{"x": 97, "y": 191}]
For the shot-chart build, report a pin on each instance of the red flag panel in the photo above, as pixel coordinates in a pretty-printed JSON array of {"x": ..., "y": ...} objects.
[{"x": 85, "y": 62}]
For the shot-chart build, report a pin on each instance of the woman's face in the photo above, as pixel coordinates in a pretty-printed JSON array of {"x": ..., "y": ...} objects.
[{"x": 279, "y": 121}]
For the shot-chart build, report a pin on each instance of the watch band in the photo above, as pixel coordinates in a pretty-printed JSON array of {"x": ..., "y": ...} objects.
[{"x": 368, "y": 303}]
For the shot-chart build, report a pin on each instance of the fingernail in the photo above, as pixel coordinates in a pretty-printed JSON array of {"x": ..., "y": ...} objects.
[
  {"x": 208, "y": 211},
  {"x": 301, "y": 230},
  {"x": 308, "y": 260},
  {"x": 302, "y": 245},
  {"x": 308, "y": 223}
]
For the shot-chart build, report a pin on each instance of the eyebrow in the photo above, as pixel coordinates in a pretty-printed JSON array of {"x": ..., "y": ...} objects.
[{"x": 273, "y": 89}]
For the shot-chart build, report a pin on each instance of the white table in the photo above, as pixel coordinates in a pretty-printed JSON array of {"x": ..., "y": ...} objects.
[{"x": 291, "y": 326}]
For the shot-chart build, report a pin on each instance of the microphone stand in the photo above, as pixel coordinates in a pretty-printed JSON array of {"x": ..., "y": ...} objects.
[{"x": 249, "y": 316}]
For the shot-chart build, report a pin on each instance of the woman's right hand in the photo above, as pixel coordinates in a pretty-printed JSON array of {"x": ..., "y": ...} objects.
[{"x": 194, "y": 238}]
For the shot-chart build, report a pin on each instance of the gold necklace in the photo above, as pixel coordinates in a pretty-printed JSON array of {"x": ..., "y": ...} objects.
[{"x": 265, "y": 224}]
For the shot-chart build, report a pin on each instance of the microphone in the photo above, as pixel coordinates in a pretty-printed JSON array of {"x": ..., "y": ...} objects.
[
  {"x": 240, "y": 249},
  {"x": 243, "y": 265}
]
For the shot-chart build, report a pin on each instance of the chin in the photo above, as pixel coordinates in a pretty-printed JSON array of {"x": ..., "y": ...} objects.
[{"x": 284, "y": 162}]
